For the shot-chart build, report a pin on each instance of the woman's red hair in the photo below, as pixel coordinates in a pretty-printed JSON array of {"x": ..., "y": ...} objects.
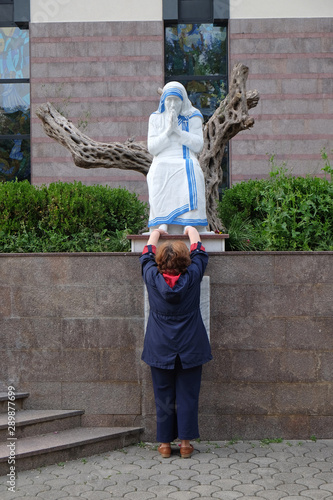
[{"x": 172, "y": 257}]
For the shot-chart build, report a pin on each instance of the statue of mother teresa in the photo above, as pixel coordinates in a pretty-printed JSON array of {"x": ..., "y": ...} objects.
[{"x": 175, "y": 180}]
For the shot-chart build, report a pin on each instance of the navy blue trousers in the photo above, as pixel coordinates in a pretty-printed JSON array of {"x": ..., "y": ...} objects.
[{"x": 176, "y": 394}]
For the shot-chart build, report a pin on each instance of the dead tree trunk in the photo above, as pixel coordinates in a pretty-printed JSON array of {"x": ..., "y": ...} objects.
[
  {"x": 86, "y": 152},
  {"x": 230, "y": 118}
]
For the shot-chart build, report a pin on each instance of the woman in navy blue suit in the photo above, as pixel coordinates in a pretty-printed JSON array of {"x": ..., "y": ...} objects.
[{"x": 176, "y": 344}]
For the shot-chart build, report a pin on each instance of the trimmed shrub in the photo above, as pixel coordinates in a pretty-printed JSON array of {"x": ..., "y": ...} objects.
[
  {"x": 66, "y": 217},
  {"x": 280, "y": 213}
]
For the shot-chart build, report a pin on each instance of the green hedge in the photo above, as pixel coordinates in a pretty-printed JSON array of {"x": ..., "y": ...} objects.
[
  {"x": 66, "y": 217},
  {"x": 280, "y": 213}
]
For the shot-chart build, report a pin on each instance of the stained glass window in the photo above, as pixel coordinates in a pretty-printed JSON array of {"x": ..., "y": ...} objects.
[
  {"x": 14, "y": 50},
  {"x": 196, "y": 49},
  {"x": 196, "y": 56},
  {"x": 14, "y": 104}
]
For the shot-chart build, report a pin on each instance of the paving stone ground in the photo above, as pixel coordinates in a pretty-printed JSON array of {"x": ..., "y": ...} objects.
[{"x": 221, "y": 470}]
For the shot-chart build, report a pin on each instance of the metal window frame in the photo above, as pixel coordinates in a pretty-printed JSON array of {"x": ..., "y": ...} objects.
[
  {"x": 221, "y": 11},
  {"x": 8, "y": 137},
  {"x": 14, "y": 80},
  {"x": 195, "y": 11},
  {"x": 20, "y": 13}
]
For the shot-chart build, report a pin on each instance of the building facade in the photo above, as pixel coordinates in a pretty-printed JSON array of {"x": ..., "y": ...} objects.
[{"x": 102, "y": 63}]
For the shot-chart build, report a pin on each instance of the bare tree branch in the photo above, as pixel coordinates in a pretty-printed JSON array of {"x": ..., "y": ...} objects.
[
  {"x": 230, "y": 118},
  {"x": 86, "y": 152}
]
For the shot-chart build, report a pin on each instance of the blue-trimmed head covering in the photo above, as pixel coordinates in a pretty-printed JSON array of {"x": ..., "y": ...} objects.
[
  {"x": 178, "y": 90},
  {"x": 166, "y": 93}
]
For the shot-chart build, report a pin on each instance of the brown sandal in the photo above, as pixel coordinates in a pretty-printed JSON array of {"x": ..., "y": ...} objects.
[
  {"x": 164, "y": 450},
  {"x": 186, "y": 451}
]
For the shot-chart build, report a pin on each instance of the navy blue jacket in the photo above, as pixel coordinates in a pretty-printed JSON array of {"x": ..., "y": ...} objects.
[{"x": 175, "y": 325}]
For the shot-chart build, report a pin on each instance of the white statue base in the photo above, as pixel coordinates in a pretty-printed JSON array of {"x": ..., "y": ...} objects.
[
  {"x": 211, "y": 241},
  {"x": 177, "y": 229}
]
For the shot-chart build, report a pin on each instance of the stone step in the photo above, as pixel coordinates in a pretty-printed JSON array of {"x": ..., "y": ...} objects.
[
  {"x": 34, "y": 422},
  {"x": 70, "y": 444},
  {"x": 19, "y": 401}
]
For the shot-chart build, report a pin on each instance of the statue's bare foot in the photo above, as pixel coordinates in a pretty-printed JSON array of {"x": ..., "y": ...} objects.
[{"x": 164, "y": 227}]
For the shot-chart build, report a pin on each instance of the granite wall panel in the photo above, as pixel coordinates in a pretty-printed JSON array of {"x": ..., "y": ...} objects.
[
  {"x": 290, "y": 64},
  {"x": 5, "y": 301},
  {"x": 104, "y": 74},
  {"x": 309, "y": 333},
  {"x": 71, "y": 334}
]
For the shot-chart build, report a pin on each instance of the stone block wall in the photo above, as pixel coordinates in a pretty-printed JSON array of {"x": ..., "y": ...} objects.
[
  {"x": 71, "y": 334},
  {"x": 290, "y": 64},
  {"x": 103, "y": 76}
]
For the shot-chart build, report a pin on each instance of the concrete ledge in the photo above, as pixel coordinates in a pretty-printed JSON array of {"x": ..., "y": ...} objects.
[
  {"x": 19, "y": 401},
  {"x": 18, "y": 395},
  {"x": 43, "y": 450},
  {"x": 35, "y": 422}
]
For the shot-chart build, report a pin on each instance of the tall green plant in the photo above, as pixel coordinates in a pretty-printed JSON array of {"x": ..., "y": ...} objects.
[
  {"x": 67, "y": 217},
  {"x": 328, "y": 169},
  {"x": 280, "y": 213}
]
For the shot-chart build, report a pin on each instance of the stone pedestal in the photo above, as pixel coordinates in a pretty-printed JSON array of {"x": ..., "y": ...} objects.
[{"x": 211, "y": 241}]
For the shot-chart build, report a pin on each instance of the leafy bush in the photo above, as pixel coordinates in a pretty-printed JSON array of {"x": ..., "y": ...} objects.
[
  {"x": 280, "y": 213},
  {"x": 67, "y": 217}
]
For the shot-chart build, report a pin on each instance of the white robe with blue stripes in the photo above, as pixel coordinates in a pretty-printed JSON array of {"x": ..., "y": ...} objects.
[{"x": 175, "y": 180}]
